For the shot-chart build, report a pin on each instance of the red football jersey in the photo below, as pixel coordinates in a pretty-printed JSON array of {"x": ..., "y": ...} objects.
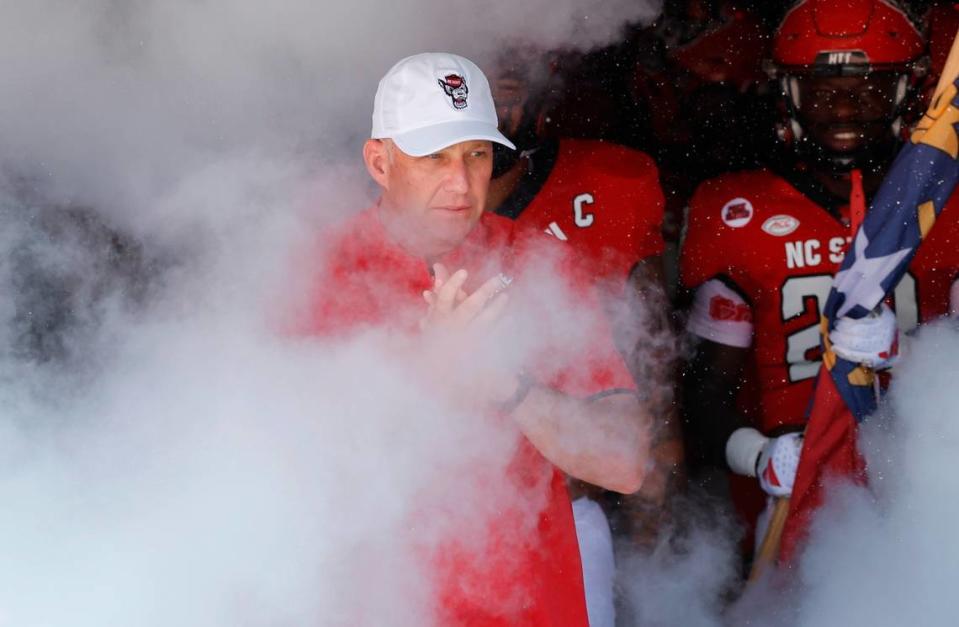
[
  {"x": 366, "y": 279},
  {"x": 604, "y": 199},
  {"x": 924, "y": 293},
  {"x": 774, "y": 251}
]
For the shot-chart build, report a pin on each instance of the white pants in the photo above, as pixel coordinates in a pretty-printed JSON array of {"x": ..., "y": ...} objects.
[{"x": 599, "y": 568}]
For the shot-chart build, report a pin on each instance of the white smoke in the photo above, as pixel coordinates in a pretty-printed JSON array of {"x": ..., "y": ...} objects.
[
  {"x": 115, "y": 103},
  {"x": 887, "y": 555},
  {"x": 882, "y": 555},
  {"x": 692, "y": 571},
  {"x": 167, "y": 454}
]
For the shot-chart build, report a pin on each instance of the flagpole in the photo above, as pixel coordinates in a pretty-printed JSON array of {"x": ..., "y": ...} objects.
[{"x": 769, "y": 549}]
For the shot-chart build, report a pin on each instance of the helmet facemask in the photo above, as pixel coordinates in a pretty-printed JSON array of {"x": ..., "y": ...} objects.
[
  {"x": 848, "y": 117},
  {"x": 849, "y": 72}
]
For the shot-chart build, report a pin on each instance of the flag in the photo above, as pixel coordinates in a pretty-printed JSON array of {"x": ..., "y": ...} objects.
[{"x": 912, "y": 195}]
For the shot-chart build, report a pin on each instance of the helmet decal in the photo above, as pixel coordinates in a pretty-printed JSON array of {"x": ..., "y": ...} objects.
[{"x": 455, "y": 87}]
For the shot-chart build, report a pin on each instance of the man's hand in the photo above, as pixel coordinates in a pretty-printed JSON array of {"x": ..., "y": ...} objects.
[
  {"x": 603, "y": 441},
  {"x": 460, "y": 330},
  {"x": 773, "y": 461},
  {"x": 452, "y": 309},
  {"x": 871, "y": 341}
]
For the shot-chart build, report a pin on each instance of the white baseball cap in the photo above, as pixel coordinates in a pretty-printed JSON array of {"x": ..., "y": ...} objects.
[{"x": 433, "y": 100}]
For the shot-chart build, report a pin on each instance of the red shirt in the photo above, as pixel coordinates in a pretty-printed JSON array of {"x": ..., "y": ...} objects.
[
  {"x": 367, "y": 280},
  {"x": 604, "y": 199},
  {"x": 779, "y": 249}
]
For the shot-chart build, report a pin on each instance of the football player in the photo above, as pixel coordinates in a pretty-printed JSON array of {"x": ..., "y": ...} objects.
[
  {"x": 605, "y": 200},
  {"x": 762, "y": 246}
]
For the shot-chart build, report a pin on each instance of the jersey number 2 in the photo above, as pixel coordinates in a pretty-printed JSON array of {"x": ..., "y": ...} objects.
[{"x": 802, "y": 346}]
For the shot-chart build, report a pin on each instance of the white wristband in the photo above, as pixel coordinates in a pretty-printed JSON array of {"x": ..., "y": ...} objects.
[{"x": 742, "y": 450}]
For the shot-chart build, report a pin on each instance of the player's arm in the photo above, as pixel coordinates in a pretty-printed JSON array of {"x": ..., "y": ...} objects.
[
  {"x": 717, "y": 433},
  {"x": 603, "y": 440},
  {"x": 720, "y": 325},
  {"x": 710, "y": 384}
]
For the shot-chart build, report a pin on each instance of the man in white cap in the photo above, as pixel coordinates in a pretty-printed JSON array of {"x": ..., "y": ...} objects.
[{"x": 427, "y": 260}]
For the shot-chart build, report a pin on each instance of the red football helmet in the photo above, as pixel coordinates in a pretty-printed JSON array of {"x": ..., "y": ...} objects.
[
  {"x": 842, "y": 38},
  {"x": 835, "y": 36},
  {"x": 729, "y": 48},
  {"x": 698, "y": 45}
]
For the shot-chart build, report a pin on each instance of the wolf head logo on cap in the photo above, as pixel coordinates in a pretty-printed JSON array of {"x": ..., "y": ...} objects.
[{"x": 455, "y": 87}]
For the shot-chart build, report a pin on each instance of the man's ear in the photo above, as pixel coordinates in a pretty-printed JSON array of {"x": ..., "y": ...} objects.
[{"x": 377, "y": 160}]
